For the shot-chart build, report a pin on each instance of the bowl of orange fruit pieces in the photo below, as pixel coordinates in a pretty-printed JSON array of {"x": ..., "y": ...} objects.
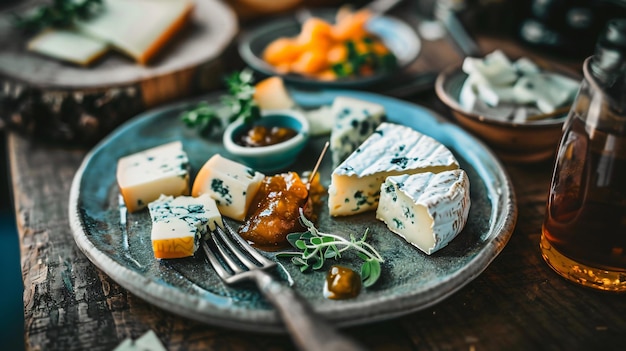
[{"x": 342, "y": 48}]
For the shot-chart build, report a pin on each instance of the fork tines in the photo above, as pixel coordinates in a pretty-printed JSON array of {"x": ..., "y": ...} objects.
[{"x": 231, "y": 256}]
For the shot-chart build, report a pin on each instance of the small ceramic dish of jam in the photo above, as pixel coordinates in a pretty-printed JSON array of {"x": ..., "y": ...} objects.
[{"x": 270, "y": 144}]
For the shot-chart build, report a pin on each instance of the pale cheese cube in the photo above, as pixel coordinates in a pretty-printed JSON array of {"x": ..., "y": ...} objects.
[
  {"x": 142, "y": 177},
  {"x": 525, "y": 66},
  {"x": 178, "y": 223},
  {"x": 495, "y": 68},
  {"x": 392, "y": 150},
  {"x": 230, "y": 183},
  {"x": 428, "y": 210}
]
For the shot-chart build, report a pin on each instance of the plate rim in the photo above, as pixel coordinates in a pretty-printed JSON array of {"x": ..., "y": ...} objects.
[{"x": 269, "y": 321}]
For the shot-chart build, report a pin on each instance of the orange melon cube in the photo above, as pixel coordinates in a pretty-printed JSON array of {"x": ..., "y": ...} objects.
[
  {"x": 310, "y": 62},
  {"x": 315, "y": 31},
  {"x": 282, "y": 50},
  {"x": 351, "y": 27},
  {"x": 338, "y": 53}
]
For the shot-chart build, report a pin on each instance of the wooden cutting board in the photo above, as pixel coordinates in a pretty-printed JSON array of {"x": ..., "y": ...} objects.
[{"x": 59, "y": 101}]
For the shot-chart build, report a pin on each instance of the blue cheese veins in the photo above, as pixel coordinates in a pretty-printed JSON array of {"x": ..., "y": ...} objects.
[
  {"x": 231, "y": 184},
  {"x": 427, "y": 209},
  {"x": 391, "y": 150},
  {"x": 142, "y": 177},
  {"x": 178, "y": 223},
  {"x": 355, "y": 121}
]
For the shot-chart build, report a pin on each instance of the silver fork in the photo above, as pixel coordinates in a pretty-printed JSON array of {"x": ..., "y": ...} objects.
[{"x": 238, "y": 262}]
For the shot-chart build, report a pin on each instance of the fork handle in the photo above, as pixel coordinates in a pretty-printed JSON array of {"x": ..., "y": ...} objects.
[{"x": 307, "y": 328}]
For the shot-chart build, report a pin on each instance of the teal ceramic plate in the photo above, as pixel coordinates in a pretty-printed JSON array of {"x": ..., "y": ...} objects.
[
  {"x": 399, "y": 37},
  {"x": 410, "y": 280}
]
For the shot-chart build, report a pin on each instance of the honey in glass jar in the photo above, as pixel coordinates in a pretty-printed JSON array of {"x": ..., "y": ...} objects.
[{"x": 584, "y": 231}]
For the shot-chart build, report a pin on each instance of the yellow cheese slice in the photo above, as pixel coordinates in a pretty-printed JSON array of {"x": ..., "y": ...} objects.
[
  {"x": 271, "y": 94},
  {"x": 68, "y": 45},
  {"x": 138, "y": 28}
]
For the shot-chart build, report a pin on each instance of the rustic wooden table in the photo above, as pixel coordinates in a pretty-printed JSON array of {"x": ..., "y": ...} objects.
[{"x": 516, "y": 303}]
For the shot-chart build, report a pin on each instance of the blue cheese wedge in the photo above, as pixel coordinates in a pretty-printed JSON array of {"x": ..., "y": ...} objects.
[
  {"x": 427, "y": 209},
  {"x": 354, "y": 121},
  {"x": 142, "y": 177},
  {"x": 230, "y": 183},
  {"x": 178, "y": 223},
  {"x": 392, "y": 150}
]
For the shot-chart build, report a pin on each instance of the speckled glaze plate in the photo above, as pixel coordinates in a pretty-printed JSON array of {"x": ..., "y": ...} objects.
[
  {"x": 410, "y": 280},
  {"x": 397, "y": 35}
]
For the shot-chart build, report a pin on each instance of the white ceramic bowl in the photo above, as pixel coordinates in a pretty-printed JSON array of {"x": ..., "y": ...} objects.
[{"x": 275, "y": 157}]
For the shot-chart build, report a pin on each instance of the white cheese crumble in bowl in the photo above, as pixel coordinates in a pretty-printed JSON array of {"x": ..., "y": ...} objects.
[
  {"x": 276, "y": 156},
  {"x": 517, "y": 106}
]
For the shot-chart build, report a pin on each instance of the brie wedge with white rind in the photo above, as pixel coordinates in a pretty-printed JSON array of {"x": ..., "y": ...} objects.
[
  {"x": 391, "y": 150},
  {"x": 427, "y": 209},
  {"x": 178, "y": 223},
  {"x": 230, "y": 183},
  {"x": 143, "y": 176},
  {"x": 354, "y": 121}
]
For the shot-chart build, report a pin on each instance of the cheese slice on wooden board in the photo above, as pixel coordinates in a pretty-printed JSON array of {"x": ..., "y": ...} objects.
[
  {"x": 68, "y": 45},
  {"x": 178, "y": 223},
  {"x": 143, "y": 176},
  {"x": 391, "y": 150},
  {"x": 139, "y": 28},
  {"x": 427, "y": 209},
  {"x": 230, "y": 183}
]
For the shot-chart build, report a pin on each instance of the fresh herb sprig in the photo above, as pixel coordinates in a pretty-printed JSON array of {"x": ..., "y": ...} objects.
[
  {"x": 239, "y": 101},
  {"x": 59, "y": 13},
  {"x": 368, "y": 59},
  {"x": 317, "y": 246},
  {"x": 202, "y": 117}
]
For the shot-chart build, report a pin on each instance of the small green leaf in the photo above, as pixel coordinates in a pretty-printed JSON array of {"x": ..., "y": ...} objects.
[
  {"x": 318, "y": 263},
  {"x": 288, "y": 254},
  {"x": 374, "y": 270},
  {"x": 331, "y": 252},
  {"x": 300, "y": 244},
  {"x": 316, "y": 240},
  {"x": 365, "y": 270}
]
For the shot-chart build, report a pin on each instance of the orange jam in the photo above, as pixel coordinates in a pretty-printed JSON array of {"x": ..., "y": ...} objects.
[
  {"x": 275, "y": 211},
  {"x": 264, "y": 136}
]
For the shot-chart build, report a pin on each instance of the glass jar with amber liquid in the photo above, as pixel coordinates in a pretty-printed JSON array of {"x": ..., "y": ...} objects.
[{"x": 584, "y": 231}]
